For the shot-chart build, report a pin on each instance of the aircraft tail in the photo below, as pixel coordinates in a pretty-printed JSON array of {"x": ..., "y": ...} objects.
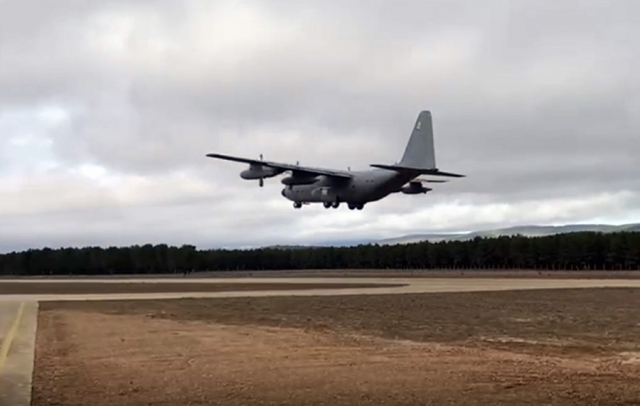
[
  {"x": 420, "y": 151},
  {"x": 420, "y": 156}
]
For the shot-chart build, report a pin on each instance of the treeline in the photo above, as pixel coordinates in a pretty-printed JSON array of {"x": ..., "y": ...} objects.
[{"x": 573, "y": 251}]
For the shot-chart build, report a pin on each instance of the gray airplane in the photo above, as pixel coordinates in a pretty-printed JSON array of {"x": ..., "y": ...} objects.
[{"x": 305, "y": 185}]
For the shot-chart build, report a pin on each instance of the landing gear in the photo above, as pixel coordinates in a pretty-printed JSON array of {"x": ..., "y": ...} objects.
[
  {"x": 328, "y": 205},
  {"x": 297, "y": 205},
  {"x": 353, "y": 206},
  {"x": 261, "y": 182}
]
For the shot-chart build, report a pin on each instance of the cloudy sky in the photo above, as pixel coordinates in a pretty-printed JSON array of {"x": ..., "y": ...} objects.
[{"x": 107, "y": 109}]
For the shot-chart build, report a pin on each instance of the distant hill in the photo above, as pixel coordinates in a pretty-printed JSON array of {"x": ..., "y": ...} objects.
[
  {"x": 288, "y": 247},
  {"x": 528, "y": 231},
  {"x": 631, "y": 227},
  {"x": 411, "y": 238}
]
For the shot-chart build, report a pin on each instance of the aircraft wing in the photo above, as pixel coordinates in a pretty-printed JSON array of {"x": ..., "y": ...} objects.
[{"x": 286, "y": 167}]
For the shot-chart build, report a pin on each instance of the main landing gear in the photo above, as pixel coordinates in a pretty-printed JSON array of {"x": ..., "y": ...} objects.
[
  {"x": 328, "y": 205},
  {"x": 335, "y": 205}
]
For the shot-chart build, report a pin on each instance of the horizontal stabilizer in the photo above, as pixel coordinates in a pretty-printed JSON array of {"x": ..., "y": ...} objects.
[
  {"x": 417, "y": 171},
  {"x": 430, "y": 180}
]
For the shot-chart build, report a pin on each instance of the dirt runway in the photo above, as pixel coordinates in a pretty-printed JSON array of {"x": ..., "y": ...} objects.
[{"x": 552, "y": 347}]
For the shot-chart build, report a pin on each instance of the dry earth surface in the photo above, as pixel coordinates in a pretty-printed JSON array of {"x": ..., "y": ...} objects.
[
  {"x": 436, "y": 273},
  {"x": 552, "y": 347},
  {"x": 447, "y": 273},
  {"x": 372, "y": 273},
  {"x": 423, "y": 273}
]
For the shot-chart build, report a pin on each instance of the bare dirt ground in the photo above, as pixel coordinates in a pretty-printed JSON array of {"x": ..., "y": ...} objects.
[
  {"x": 438, "y": 273},
  {"x": 556, "y": 347},
  {"x": 428, "y": 273},
  {"x": 379, "y": 273},
  {"x": 61, "y": 288}
]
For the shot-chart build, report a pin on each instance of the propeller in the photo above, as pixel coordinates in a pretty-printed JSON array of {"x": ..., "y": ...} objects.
[{"x": 261, "y": 181}]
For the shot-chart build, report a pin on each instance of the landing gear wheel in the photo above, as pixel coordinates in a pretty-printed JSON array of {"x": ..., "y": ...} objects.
[
  {"x": 261, "y": 182},
  {"x": 297, "y": 205},
  {"x": 360, "y": 206},
  {"x": 327, "y": 205},
  {"x": 335, "y": 205}
]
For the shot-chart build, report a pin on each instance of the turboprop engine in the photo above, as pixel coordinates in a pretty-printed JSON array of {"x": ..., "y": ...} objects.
[
  {"x": 414, "y": 188},
  {"x": 300, "y": 180},
  {"x": 259, "y": 172}
]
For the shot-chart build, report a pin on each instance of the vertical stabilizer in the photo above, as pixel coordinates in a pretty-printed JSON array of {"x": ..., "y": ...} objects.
[{"x": 420, "y": 151}]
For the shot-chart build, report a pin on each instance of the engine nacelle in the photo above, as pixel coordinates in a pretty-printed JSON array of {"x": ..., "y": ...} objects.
[
  {"x": 414, "y": 188},
  {"x": 299, "y": 180},
  {"x": 259, "y": 172}
]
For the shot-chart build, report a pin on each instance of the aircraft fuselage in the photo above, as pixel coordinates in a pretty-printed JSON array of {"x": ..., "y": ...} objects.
[{"x": 364, "y": 187}]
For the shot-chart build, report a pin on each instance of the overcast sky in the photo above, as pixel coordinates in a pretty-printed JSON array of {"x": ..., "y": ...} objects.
[{"x": 107, "y": 109}]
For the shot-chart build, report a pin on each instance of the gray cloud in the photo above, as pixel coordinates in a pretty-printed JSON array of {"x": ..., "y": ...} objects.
[{"x": 535, "y": 102}]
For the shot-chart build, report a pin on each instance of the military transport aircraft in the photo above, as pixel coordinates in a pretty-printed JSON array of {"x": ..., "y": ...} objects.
[{"x": 331, "y": 187}]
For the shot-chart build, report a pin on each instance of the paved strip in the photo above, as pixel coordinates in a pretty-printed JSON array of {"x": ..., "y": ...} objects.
[
  {"x": 18, "y": 329},
  {"x": 10, "y": 330},
  {"x": 411, "y": 285}
]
